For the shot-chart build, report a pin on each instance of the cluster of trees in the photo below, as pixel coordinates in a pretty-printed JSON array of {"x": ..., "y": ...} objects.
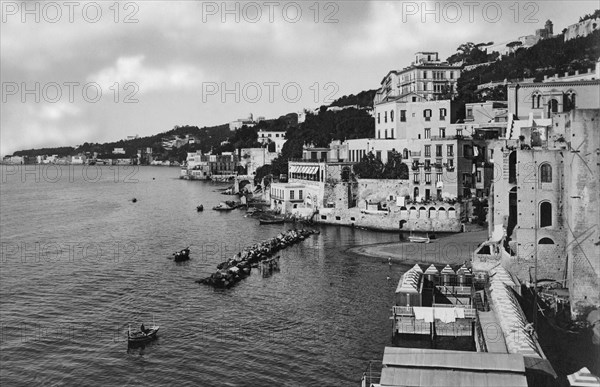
[
  {"x": 470, "y": 53},
  {"x": 370, "y": 167},
  {"x": 362, "y": 99},
  {"x": 547, "y": 57}
]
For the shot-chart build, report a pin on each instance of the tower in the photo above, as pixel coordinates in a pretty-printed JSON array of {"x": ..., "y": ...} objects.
[{"x": 548, "y": 27}]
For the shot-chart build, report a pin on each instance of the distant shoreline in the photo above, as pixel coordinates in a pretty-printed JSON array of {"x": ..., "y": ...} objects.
[{"x": 446, "y": 249}]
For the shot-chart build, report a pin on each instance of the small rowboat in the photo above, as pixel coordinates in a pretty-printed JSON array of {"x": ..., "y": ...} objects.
[
  {"x": 182, "y": 255},
  {"x": 142, "y": 337},
  {"x": 419, "y": 239},
  {"x": 271, "y": 220}
]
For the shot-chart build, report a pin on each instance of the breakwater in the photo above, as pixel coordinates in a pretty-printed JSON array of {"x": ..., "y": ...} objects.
[{"x": 235, "y": 269}]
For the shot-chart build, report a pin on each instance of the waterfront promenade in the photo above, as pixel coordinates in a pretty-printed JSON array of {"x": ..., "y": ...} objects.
[{"x": 446, "y": 249}]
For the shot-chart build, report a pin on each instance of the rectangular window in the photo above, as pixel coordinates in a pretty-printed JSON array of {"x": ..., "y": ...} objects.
[
  {"x": 392, "y": 133},
  {"x": 291, "y": 194},
  {"x": 479, "y": 176},
  {"x": 443, "y": 132},
  {"x": 427, "y": 150},
  {"x": 442, "y": 114},
  {"x": 378, "y": 155},
  {"x": 424, "y": 74},
  {"x": 385, "y": 116},
  {"x": 450, "y": 163},
  {"x": 438, "y": 151},
  {"x": 385, "y": 133},
  {"x": 459, "y": 132},
  {"x": 378, "y": 118},
  {"x": 416, "y": 178},
  {"x": 403, "y": 115},
  {"x": 428, "y": 178},
  {"x": 427, "y": 164},
  {"x": 450, "y": 151},
  {"x": 300, "y": 194},
  {"x": 470, "y": 113},
  {"x": 438, "y": 177},
  {"x": 451, "y": 74},
  {"x": 427, "y": 133}
]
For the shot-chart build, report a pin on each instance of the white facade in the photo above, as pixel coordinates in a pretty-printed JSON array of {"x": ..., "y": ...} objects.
[
  {"x": 264, "y": 137},
  {"x": 399, "y": 119}
]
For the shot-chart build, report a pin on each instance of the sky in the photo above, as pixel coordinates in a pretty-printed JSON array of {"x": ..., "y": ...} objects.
[{"x": 75, "y": 72}]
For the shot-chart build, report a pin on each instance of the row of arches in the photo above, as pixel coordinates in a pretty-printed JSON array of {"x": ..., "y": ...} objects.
[{"x": 431, "y": 212}]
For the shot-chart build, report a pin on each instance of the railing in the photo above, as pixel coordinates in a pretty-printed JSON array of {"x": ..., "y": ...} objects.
[
  {"x": 407, "y": 311},
  {"x": 372, "y": 374}
]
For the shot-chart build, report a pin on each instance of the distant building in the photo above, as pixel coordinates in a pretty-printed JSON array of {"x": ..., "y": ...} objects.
[
  {"x": 582, "y": 29},
  {"x": 277, "y": 137},
  {"x": 526, "y": 41},
  {"x": 427, "y": 78},
  {"x": 78, "y": 160},
  {"x": 133, "y": 137},
  {"x": 254, "y": 158},
  {"x": 237, "y": 124},
  {"x": 118, "y": 151}
]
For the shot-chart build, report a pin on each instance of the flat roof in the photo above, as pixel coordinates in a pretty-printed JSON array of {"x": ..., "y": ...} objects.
[{"x": 431, "y": 367}]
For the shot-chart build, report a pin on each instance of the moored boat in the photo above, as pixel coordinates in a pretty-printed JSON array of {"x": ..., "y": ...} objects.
[
  {"x": 142, "y": 336},
  {"x": 223, "y": 207},
  {"x": 419, "y": 239},
  {"x": 182, "y": 255},
  {"x": 271, "y": 220}
]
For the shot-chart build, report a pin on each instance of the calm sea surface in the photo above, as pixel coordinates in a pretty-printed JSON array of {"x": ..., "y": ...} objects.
[{"x": 80, "y": 262}]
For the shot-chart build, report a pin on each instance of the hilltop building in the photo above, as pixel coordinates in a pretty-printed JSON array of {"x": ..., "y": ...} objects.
[
  {"x": 526, "y": 41},
  {"x": 582, "y": 29},
  {"x": 427, "y": 78}
]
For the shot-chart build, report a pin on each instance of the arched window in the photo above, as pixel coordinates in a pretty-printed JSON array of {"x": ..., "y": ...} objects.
[
  {"x": 534, "y": 100},
  {"x": 546, "y": 173},
  {"x": 545, "y": 241},
  {"x": 405, "y": 154},
  {"x": 552, "y": 106},
  {"x": 392, "y": 116},
  {"x": 539, "y": 101},
  {"x": 545, "y": 214}
]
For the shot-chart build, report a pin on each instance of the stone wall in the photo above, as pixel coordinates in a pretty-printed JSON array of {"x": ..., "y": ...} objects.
[{"x": 582, "y": 210}]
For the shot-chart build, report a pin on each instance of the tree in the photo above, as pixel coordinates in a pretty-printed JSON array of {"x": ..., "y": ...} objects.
[{"x": 369, "y": 167}]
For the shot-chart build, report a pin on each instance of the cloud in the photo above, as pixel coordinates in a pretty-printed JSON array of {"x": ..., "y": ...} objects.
[{"x": 133, "y": 69}]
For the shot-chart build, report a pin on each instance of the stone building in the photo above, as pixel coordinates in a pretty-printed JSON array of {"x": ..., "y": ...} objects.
[{"x": 545, "y": 207}]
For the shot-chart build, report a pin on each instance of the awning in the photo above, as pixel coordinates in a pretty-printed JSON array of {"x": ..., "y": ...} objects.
[
  {"x": 293, "y": 168},
  {"x": 313, "y": 170},
  {"x": 303, "y": 169}
]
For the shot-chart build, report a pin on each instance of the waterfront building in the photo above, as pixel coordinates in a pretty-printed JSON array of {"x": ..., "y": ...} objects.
[
  {"x": 427, "y": 78},
  {"x": 545, "y": 208},
  {"x": 118, "y": 151},
  {"x": 254, "y": 158},
  {"x": 78, "y": 160}
]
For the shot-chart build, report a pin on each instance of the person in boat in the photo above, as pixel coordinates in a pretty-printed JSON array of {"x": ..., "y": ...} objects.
[{"x": 143, "y": 329}]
